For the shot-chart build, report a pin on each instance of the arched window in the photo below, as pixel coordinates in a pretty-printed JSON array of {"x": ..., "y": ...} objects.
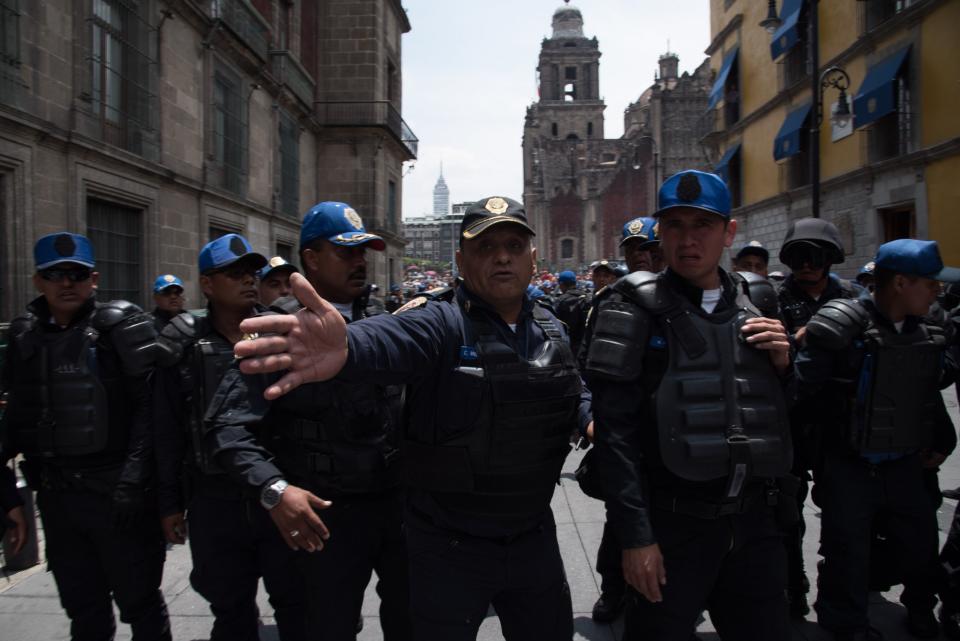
[
  {"x": 589, "y": 130},
  {"x": 566, "y": 248},
  {"x": 553, "y": 129}
]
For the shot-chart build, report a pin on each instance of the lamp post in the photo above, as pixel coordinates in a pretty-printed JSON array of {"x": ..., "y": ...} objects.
[
  {"x": 832, "y": 77},
  {"x": 655, "y": 153}
]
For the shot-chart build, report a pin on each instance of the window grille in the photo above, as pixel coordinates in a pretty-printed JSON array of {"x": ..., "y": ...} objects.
[
  {"x": 9, "y": 40},
  {"x": 123, "y": 73},
  {"x": 114, "y": 230},
  {"x": 289, "y": 165},
  {"x": 229, "y": 131}
]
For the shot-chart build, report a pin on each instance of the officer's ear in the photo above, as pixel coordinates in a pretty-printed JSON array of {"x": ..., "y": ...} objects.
[
  {"x": 206, "y": 285},
  {"x": 533, "y": 258},
  {"x": 458, "y": 257},
  {"x": 729, "y": 233},
  {"x": 94, "y": 279}
]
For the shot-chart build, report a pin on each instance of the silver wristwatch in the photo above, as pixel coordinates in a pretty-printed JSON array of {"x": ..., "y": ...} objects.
[{"x": 270, "y": 495}]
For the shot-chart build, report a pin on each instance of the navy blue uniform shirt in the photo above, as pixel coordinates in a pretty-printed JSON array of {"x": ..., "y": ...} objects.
[{"x": 420, "y": 348}]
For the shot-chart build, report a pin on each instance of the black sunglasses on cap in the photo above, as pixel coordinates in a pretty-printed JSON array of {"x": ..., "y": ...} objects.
[{"x": 55, "y": 275}]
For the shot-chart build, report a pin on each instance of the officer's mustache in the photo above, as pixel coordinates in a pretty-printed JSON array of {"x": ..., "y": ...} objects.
[{"x": 358, "y": 274}]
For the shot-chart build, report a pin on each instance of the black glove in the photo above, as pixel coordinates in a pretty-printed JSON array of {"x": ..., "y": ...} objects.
[{"x": 128, "y": 506}]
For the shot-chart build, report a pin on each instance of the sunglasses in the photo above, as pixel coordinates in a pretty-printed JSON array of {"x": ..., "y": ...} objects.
[{"x": 73, "y": 275}]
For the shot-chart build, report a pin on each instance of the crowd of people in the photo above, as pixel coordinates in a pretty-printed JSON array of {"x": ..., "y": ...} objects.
[{"x": 304, "y": 430}]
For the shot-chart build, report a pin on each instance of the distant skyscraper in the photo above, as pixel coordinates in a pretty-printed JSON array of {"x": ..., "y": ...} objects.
[{"x": 441, "y": 196}]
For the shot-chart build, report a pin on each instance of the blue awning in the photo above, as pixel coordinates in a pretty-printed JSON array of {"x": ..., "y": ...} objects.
[
  {"x": 877, "y": 95},
  {"x": 788, "y": 34},
  {"x": 717, "y": 92},
  {"x": 788, "y": 140},
  {"x": 722, "y": 167}
]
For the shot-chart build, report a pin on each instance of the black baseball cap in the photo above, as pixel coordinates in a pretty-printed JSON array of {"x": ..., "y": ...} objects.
[{"x": 495, "y": 210}]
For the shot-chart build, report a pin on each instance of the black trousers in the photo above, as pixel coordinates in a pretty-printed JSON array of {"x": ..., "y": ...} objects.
[
  {"x": 796, "y": 573},
  {"x": 454, "y": 578},
  {"x": 853, "y": 492},
  {"x": 950, "y": 561},
  {"x": 92, "y": 561},
  {"x": 609, "y": 564},
  {"x": 233, "y": 543},
  {"x": 366, "y": 535},
  {"x": 733, "y": 566}
]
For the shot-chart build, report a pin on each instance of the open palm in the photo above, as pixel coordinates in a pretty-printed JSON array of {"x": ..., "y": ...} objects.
[{"x": 311, "y": 344}]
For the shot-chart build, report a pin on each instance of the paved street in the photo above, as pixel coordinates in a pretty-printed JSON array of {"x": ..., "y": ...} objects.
[{"x": 29, "y": 609}]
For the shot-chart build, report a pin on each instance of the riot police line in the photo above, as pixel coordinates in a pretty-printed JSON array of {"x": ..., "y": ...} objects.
[{"x": 425, "y": 445}]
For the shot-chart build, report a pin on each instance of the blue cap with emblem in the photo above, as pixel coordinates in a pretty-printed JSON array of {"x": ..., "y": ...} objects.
[
  {"x": 567, "y": 277},
  {"x": 696, "y": 190},
  {"x": 277, "y": 262},
  {"x": 338, "y": 223},
  {"x": 643, "y": 228},
  {"x": 915, "y": 258},
  {"x": 225, "y": 251},
  {"x": 62, "y": 247},
  {"x": 165, "y": 281}
]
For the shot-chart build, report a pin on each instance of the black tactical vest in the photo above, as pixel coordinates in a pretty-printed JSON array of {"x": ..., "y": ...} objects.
[
  {"x": 897, "y": 402},
  {"x": 506, "y": 461},
  {"x": 59, "y": 405},
  {"x": 720, "y": 408},
  {"x": 337, "y": 438},
  {"x": 797, "y": 312},
  {"x": 207, "y": 361}
]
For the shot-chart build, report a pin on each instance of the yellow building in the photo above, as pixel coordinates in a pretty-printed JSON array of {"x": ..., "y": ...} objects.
[{"x": 893, "y": 171}]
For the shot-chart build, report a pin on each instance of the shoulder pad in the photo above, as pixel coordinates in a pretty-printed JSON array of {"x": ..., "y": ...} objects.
[
  {"x": 761, "y": 293},
  {"x": 21, "y": 325},
  {"x": 134, "y": 337},
  {"x": 110, "y": 314},
  {"x": 837, "y": 323},
  {"x": 618, "y": 341},
  {"x": 413, "y": 303},
  {"x": 176, "y": 337},
  {"x": 644, "y": 289},
  {"x": 545, "y": 305},
  {"x": 445, "y": 294},
  {"x": 286, "y": 305}
]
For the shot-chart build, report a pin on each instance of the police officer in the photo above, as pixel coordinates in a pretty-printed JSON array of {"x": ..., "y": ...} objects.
[
  {"x": 571, "y": 307},
  {"x": 641, "y": 247},
  {"x": 232, "y": 539},
  {"x": 331, "y": 439},
  {"x": 273, "y": 281},
  {"x": 493, "y": 394},
  {"x": 76, "y": 371},
  {"x": 752, "y": 257},
  {"x": 167, "y": 299},
  {"x": 394, "y": 299},
  {"x": 603, "y": 273},
  {"x": 865, "y": 276},
  {"x": 888, "y": 424},
  {"x": 674, "y": 361},
  {"x": 810, "y": 247}
]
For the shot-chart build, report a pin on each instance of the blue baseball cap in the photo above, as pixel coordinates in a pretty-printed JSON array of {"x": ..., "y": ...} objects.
[
  {"x": 534, "y": 292},
  {"x": 756, "y": 248},
  {"x": 277, "y": 262},
  {"x": 227, "y": 250},
  {"x": 915, "y": 258},
  {"x": 697, "y": 190},
  {"x": 567, "y": 277},
  {"x": 338, "y": 223},
  {"x": 165, "y": 281},
  {"x": 62, "y": 247},
  {"x": 643, "y": 228}
]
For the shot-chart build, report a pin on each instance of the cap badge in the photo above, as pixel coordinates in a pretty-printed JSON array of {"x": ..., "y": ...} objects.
[
  {"x": 635, "y": 227},
  {"x": 688, "y": 189},
  {"x": 870, "y": 266},
  {"x": 276, "y": 261},
  {"x": 754, "y": 243},
  {"x": 237, "y": 247},
  {"x": 496, "y": 205},
  {"x": 64, "y": 245},
  {"x": 353, "y": 218},
  {"x": 656, "y": 229},
  {"x": 169, "y": 278}
]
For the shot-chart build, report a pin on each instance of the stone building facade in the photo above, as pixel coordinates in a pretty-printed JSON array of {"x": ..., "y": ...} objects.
[
  {"x": 155, "y": 125},
  {"x": 579, "y": 187}
]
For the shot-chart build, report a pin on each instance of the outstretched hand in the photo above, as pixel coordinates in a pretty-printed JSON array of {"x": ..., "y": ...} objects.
[{"x": 311, "y": 344}]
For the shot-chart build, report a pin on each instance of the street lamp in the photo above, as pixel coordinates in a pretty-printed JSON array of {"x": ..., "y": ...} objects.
[
  {"x": 838, "y": 79},
  {"x": 772, "y": 22}
]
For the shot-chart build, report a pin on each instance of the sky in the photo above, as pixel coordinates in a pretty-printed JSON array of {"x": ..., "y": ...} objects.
[{"x": 469, "y": 73}]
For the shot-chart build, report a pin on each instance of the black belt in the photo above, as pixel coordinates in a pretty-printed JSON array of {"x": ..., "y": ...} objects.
[{"x": 706, "y": 509}]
